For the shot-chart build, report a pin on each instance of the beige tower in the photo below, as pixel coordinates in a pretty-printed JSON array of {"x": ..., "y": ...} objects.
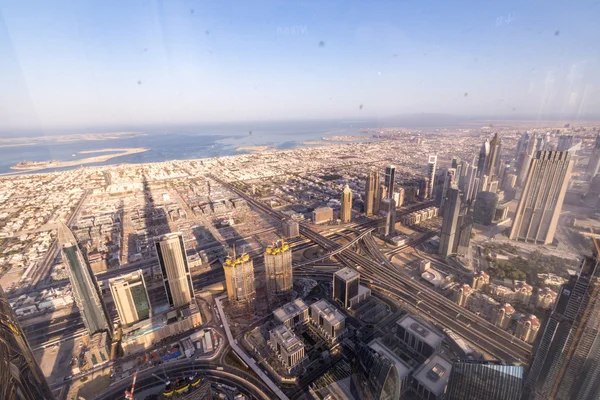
[
  {"x": 346, "y": 212},
  {"x": 175, "y": 269},
  {"x": 480, "y": 280},
  {"x": 278, "y": 269},
  {"x": 239, "y": 277},
  {"x": 462, "y": 295},
  {"x": 542, "y": 198},
  {"x": 527, "y": 328},
  {"x": 377, "y": 195},
  {"x": 131, "y": 297},
  {"x": 369, "y": 193},
  {"x": 503, "y": 316}
]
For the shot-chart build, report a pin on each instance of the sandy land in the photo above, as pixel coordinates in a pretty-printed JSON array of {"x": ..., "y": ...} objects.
[
  {"x": 30, "y": 141},
  {"x": 36, "y": 166},
  {"x": 254, "y": 149},
  {"x": 316, "y": 143}
]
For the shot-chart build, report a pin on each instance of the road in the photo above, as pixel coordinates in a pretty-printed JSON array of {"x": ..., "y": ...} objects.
[
  {"x": 246, "y": 383},
  {"x": 448, "y": 314}
]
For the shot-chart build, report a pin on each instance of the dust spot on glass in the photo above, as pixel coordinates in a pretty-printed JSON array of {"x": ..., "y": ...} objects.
[
  {"x": 139, "y": 82},
  {"x": 145, "y": 49},
  {"x": 207, "y": 32},
  {"x": 360, "y": 107},
  {"x": 557, "y": 33},
  {"x": 514, "y": 109},
  {"x": 192, "y": 11},
  {"x": 395, "y": 55},
  {"x": 466, "y": 94},
  {"x": 321, "y": 44}
]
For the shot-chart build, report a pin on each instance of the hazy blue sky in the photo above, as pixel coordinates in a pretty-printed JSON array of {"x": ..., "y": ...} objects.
[{"x": 80, "y": 63}]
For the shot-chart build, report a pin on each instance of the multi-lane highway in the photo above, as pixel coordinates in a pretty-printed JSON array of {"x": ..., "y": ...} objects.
[
  {"x": 245, "y": 382},
  {"x": 489, "y": 338}
]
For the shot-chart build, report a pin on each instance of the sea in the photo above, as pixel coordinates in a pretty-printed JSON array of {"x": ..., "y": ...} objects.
[{"x": 192, "y": 142}]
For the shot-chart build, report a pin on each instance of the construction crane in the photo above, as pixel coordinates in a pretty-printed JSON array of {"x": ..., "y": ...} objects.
[{"x": 129, "y": 394}]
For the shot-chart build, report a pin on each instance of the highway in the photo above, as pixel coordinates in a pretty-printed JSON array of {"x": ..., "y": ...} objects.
[
  {"x": 448, "y": 314},
  {"x": 246, "y": 383}
]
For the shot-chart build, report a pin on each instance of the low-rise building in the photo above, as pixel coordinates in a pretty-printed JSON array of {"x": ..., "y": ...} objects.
[
  {"x": 322, "y": 215},
  {"x": 504, "y": 316},
  {"x": 420, "y": 339},
  {"x": 327, "y": 320},
  {"x": 545, "y": 298},
  {"x": 480, "y": 280},
  {"x": 287, "y": 346},
  {"x": 527, "y": 328},
  {"x": 292, "y": 314},
  {"x": 462, "y": 293},
  {"x": 430, "y": 379}
]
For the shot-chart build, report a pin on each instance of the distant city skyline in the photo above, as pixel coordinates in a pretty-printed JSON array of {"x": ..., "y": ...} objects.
[{"x": 82, "y": 65}]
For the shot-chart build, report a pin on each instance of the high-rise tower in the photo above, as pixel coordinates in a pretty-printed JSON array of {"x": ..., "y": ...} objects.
[
  {"x": 542, "y": 198},
  {"x": 484, "y": 380},
  {"x": 20, "y": 376},
  {"x": 594, "y": 161},
  {"x": 278, "y": 269},
  {"x": 450, "y": 221},
  {"x": 346, "y": 211},
  {"x": 369, "y": 193},
  {"x": 566, "y": 357},
  {"x": 239, "y": 278},
  {"x": 390, "y": 175},
  {"x": 376, "y": 193},
  {"x": 431, "y": 168},
  {"x": 449, "y": 179},
  {"x": 491, "y": 168},
  {"x": 86, "y": 292},
  {"x": 175, "y": 269},
  {"x": 131, "y": 297},
  {"x": 484, "y": 153}
]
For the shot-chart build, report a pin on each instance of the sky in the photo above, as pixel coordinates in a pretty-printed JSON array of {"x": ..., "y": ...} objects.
[{"x": 83, "y": 64}]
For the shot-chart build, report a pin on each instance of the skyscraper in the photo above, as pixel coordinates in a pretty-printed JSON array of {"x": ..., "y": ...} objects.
[
  {"x": 239, "y": 278},
  {"x": 131, "y": 297},
  {"x": 346, "y": 211},
  {"x": 376, "y": 193},
  {"x": 85, "y": 287},
  {"x": 175, "y": 269},
  {"x": 522, "y": 144},
  {"x": 390, "y": 176},
  {"x": 542, "y": 198},
  {"x": 495, "y": 154},
  {"x": 565, "y": 142},
  {"x": 448, "y": 183},
  {"x": 20, "y": 375},
  {"x": 278, "y": 269},
  {"x": 369, "y": 193},
  {"x": 484, "y": 380},
  {"x": 450, "y": 221},
  {"x": 345, "y": 285},
  {"x": 471, "y": 183},
  {"x": 431, "y": 168},
  {"x": 594, "y": 161},
  {"x": 566, "y": 357},
  {"x": 484, "y": 153}
]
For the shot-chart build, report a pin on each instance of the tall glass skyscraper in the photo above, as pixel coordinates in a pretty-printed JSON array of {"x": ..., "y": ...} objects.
[
  {"x": 85, "y": 287},
  {"x": 175, "y": 269},
  {"x": 566, "y": 357},
  {"x": 20, "y": 375},
  {"x": 484, "y": 380}
]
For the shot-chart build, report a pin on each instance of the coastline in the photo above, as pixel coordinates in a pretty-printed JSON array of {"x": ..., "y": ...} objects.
[{"x": 36, "y": 166}]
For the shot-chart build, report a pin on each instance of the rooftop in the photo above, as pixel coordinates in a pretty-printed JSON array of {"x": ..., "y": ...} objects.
[
  {"x": 420, "y": 330},
  {"x": 347, "y": 274},
  {"x": 434, "y": 374},
  {"x": 402, "y": 369},
  {"x": 329, "y": 312},
  {"x": 290, "y": 310},
  {"x": 287, "y": 338}
]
